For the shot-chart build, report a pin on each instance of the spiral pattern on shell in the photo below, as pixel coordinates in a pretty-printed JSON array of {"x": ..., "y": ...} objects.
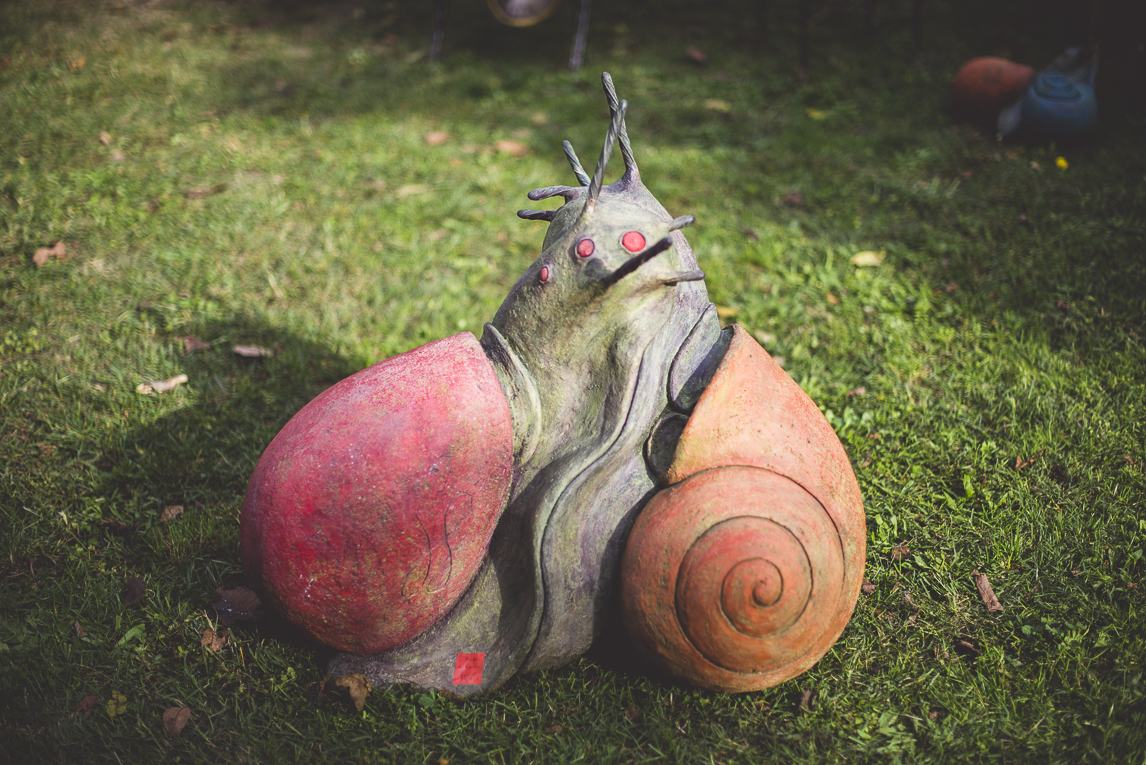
[{"x": 735, "y": 579}]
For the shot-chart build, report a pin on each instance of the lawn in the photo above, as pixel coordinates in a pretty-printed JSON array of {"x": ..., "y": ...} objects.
[{"x": 299, "y": 177}]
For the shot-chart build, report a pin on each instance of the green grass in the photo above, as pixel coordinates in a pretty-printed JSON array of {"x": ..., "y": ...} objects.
[{"x": 982, "y": 341}]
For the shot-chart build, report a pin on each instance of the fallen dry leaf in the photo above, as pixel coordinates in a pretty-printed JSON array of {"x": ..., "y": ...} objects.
[
  {"x": 411, "y": 189},
  {"x": 251, "y": 351},
  {"x": 716, "y": 105},
  {"x": 117, "y": 704},
  {"x": 86, "y": 705},
  {"x": 793, "y": 198},
  {"x": 764, "y": 338},
  {"x": 78, "y": 63},
  {"x": 860, "y": 391},
  {"x": 632, "y": 714},
  {"x": 832, "y": 299},
  {"x": 816, "y": 114},
  {"x": 44, "y": 254},
  {"x": 117, "y": 155},
  {"x": 986, "y": 593},
  {"x": 206, "y": 191},
  {"x": 133, "y": 590},
  {"x": 235, "y": 605},
  {"x": 105, "y": 138},
  {"x": 175, "y": 720},
  {"x": 192, "y": 343},
  {"x": 867, "y": 258},
  {"x": 215, "y": 642},
  {"x": 437, "y": 137},
  {"x": 806, "y": 701},
  {"x": 170, "y": 512},
  {"x": 868, "y": 586},
  {"x": 727, "y": 311},
  {"x": 696, "y": 55},
  {"x": 80, "y": 631},
  {"x": 160, "y": 386},
  {"x": 358, "y": 686},
  {"x": 539, "y": 118},
  {"x": 966, "y": 648},
  {"x": 555, "y": 729},
  {"x": 898, "y": 553},
  {"x": 514, "y": 148}
]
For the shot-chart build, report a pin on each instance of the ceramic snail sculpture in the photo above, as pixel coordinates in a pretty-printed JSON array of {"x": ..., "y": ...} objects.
[{"x": 469, "y": 510}]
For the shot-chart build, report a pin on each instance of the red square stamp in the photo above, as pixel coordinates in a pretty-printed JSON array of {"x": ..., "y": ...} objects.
[{"x": 468, "y": 667}]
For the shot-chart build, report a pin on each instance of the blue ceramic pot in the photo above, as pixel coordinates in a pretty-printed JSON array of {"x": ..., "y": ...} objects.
[{"x": 1057, "y": 107}]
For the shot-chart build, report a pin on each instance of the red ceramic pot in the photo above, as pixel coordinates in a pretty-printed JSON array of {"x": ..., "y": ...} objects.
[{"x": 984, "y": 86}]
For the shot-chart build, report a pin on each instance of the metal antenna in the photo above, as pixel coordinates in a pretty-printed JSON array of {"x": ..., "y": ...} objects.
[
  {"x": 615, "y": 127},
  {"x": 626, "y": 149},
  {"x": 582, "y": 176}
]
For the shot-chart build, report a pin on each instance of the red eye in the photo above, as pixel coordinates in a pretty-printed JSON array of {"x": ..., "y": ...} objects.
[
  {"x": 544, "y": 275},
  {"x": 633, "y": 241},
  {"x": 585, "y": 248}
]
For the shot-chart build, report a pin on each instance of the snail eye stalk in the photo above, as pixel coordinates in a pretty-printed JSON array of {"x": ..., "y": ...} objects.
[
  {"x": 633, "y": 241},
  {"x": 585, "y": 248}
]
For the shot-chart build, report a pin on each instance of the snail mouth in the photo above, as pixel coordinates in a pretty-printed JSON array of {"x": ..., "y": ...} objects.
[{"x": 638, "y": 260}]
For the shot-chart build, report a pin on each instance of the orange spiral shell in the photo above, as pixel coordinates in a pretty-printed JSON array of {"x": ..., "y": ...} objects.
[{"x": 745, "y": 571}]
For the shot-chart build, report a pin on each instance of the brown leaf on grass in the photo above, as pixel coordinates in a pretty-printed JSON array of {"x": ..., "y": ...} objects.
[
  {"x": 86, "y": 705},
  {"x": 793, "y": 198},
  {"x": 235, "y": 605},
  {"x": 206, "y": 191},
  {"x": 868, "y": 587},
  {"x": 4, "y": 62},
  {"x": 160, "y": 386},
  {"x": 555, "y": 729},
  {"x": 192, "y": 343},
  {"x": 175, "y": 720},
  {"x": 252, "y": 351},
  {"x": 80, "y": 631},
  {"x": 807, "y": 702},
  {"x": 860, "y": 391},
  {"x": 1021, "y": 463},
  {"x": 215, "y": 642},
  {"x": 133, "y": 590},
  {"x": 117, "y": 155},
  {"x": 832, "y": 299},
  {"x": 727, "y": 311},
  {"x": 899, "y": 552},
  {"x": 44, "y": 254},
  {"x": 514, "y": 148},
  {"x": 358, "y": 686},
  {"x": 696, "y": 55},
  {"x": 632, "y": 714},
  {"x": 169, "y": 513},
  {"x": 115, "y": 525},
  {"x": 437, "y": 137},
  {"x": 986, "y": 593},
  {"x": 966, "y": 648},
  {"x": 78, "y": 63},
  {"x": 105, "y": 138}
]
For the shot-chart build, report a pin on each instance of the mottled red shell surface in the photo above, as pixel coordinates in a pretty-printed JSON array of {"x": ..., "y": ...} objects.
[
  {"x": 745, "y": 571},
  {"x": 984, "y": 86},
  {"x": 370, "y": 512}
]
